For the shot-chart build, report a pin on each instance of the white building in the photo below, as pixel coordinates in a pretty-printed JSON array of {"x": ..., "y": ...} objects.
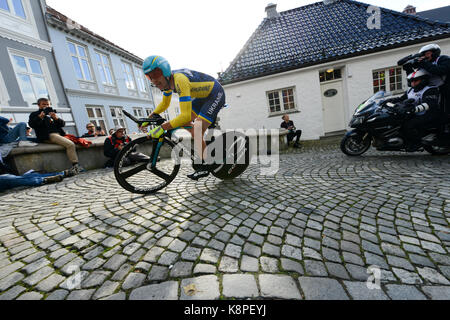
[{"x": 317, "y": 63}]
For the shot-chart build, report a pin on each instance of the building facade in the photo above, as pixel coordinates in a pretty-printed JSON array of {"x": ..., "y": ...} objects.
[
  {"x": 28, "y": 70},
  {"x": 317, "y": 63},
  {"x": 101, "y": 80}
]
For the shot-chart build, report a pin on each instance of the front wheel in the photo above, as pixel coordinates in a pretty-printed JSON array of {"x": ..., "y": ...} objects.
[
  {"x": 142, "y": 176},
  {"x": 437, "y": 151},
  {"x": 355, "y": 144}
]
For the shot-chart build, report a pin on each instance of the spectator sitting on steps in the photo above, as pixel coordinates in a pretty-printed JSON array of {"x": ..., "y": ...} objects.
[
  {"x": 49, "y": 129},
  {"x": 18, "y": 133},
  {"x": 293, "y": 132}
]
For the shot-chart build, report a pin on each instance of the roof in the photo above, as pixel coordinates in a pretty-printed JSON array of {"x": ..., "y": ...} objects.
[
  {"x": 319, "y": 33},
  {"x": 439, "y": 14},
  {"x": 66, "y": 22}
]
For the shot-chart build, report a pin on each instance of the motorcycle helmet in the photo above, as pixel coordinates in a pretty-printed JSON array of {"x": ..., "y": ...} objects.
[
  {"x": 422, "y": 75},
  {"x": 433, "y": 48}
]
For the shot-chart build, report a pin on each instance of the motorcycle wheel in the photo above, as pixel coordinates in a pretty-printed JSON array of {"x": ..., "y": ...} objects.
[
  {"x": 355, "y": 145},
  {"x": 437, "y": 151}
]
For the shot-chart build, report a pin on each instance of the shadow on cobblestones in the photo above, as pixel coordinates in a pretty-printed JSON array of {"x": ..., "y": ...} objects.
[{"x": 311, "y": 231}]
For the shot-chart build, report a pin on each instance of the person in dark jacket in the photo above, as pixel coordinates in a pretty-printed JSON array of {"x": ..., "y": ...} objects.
[
  {"x": 18, "y": 133},
  {"x": 49, "y": 129},
  {"x": 439, "y": 67},
  {"x": 293, "y": 132},
  {"x": 422, "y": 102},
  {"x": 115, "y": 143},
  {"x": 90, "y": 127}
]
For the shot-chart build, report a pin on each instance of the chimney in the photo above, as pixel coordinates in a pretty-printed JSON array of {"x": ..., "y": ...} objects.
[
  {"x": 327, "y": 2},
  {"x": 271, "y": 10},
  {"x": 410, "y": 10}
]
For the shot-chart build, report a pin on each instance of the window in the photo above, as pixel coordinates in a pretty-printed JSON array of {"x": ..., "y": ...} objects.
[
  {"x": 330, "y": 75},
  {"x": 148, "y": 112},
  {"x": 97, "y": 116},
  {"x": 140, "y": 78},
  {"x": 31, "y": 78},
  {"x": 14, "y": 7},
  {"x": 104, "y": 68},
  {"x": 281, "y": 100},
  {"x": 128, "y": 74},
  {"x": 80, "y": 61},
  {"x": 390, "y": 78},
  {"x": 117, "y": 116},
  {"x": 138, "y": 112}
]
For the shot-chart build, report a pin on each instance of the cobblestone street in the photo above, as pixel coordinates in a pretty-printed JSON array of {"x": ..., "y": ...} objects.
[{"x": 309, "y": 232}]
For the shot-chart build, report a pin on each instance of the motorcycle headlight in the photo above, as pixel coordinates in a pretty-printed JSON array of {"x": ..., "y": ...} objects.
[{"x": 357, "y": 121}]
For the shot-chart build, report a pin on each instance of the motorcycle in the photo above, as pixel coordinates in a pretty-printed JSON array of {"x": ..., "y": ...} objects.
[{"x": 379, "y": 124}]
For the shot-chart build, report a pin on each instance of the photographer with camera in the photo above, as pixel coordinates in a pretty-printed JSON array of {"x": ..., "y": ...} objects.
[{"x": 49, "y": 129}]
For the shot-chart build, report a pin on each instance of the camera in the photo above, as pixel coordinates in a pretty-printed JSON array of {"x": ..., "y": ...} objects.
[{"x": 49, "y": 110}]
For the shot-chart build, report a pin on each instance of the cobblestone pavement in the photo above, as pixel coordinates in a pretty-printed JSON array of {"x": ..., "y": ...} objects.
[{"x": 309, "y": 232}]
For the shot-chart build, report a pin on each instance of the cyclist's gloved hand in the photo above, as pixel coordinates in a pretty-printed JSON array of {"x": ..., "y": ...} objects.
[
  {"x": 145, "y": 124},
  {"x": 156, "y": 133}
]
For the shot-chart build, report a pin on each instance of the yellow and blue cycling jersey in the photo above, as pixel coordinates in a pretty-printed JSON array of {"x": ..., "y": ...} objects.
[{"x": 199, "y": 93}]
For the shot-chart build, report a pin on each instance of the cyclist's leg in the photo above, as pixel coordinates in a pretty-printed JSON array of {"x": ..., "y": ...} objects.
[{"x": 210, "y": 110}]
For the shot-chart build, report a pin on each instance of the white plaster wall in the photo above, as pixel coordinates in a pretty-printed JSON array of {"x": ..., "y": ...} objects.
[{"x": 248, "y": 105}]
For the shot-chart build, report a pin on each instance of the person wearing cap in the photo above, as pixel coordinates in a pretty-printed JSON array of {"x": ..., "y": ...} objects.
[
  {"x": 439, "y": 67},
  {"x": 114, "y": 144}
]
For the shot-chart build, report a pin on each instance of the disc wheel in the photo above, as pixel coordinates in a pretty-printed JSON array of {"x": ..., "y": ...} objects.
[
  {"x": 141, "y": 177},
  {"x": 236, "y": 155}
]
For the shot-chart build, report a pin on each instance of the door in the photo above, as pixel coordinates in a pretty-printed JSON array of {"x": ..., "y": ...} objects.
[{"x": 333, "y": 106}]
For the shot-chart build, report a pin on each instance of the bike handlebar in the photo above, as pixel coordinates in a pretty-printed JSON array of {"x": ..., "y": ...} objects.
[{"x": 157, "y": 120}]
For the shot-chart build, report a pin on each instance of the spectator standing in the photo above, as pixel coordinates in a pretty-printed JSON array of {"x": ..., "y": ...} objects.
[{"x": 91, "y": 131}]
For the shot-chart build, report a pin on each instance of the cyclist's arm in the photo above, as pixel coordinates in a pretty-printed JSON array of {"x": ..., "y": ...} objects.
[
  {"x": 184, "y": 90},
  {"x": 165, "y": 103}
]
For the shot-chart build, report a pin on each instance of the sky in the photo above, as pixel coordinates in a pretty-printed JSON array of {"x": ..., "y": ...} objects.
[{"x": 202, "y": 35}]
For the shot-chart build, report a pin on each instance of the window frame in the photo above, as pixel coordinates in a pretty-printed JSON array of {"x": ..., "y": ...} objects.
[
  {"x": 113, "y": 78},
  {"x": 118, "y": 118},
  {"x": 80, "y": 58},
  {"x": 387, "y": 84},
  {"x": 140, "y": 79},
  {"x": 138, "y": 112},
  {"x": 280, "y": 98},
  {"x": 46, "y": 75},
  {"x": 334, "y": 73},
  {"x": 12, "y": 10},
  {"x": 126, "y": 74},
  {"x": 95, "y": 120}
]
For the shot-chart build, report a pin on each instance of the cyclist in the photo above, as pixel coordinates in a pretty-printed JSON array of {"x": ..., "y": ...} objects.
[{"x": 201, "y": 99}]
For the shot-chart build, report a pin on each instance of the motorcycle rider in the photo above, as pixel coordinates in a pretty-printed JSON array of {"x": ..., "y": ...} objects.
[
  {"x": 439, "y": 67},
  {"x": 421, "y": 102}
]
